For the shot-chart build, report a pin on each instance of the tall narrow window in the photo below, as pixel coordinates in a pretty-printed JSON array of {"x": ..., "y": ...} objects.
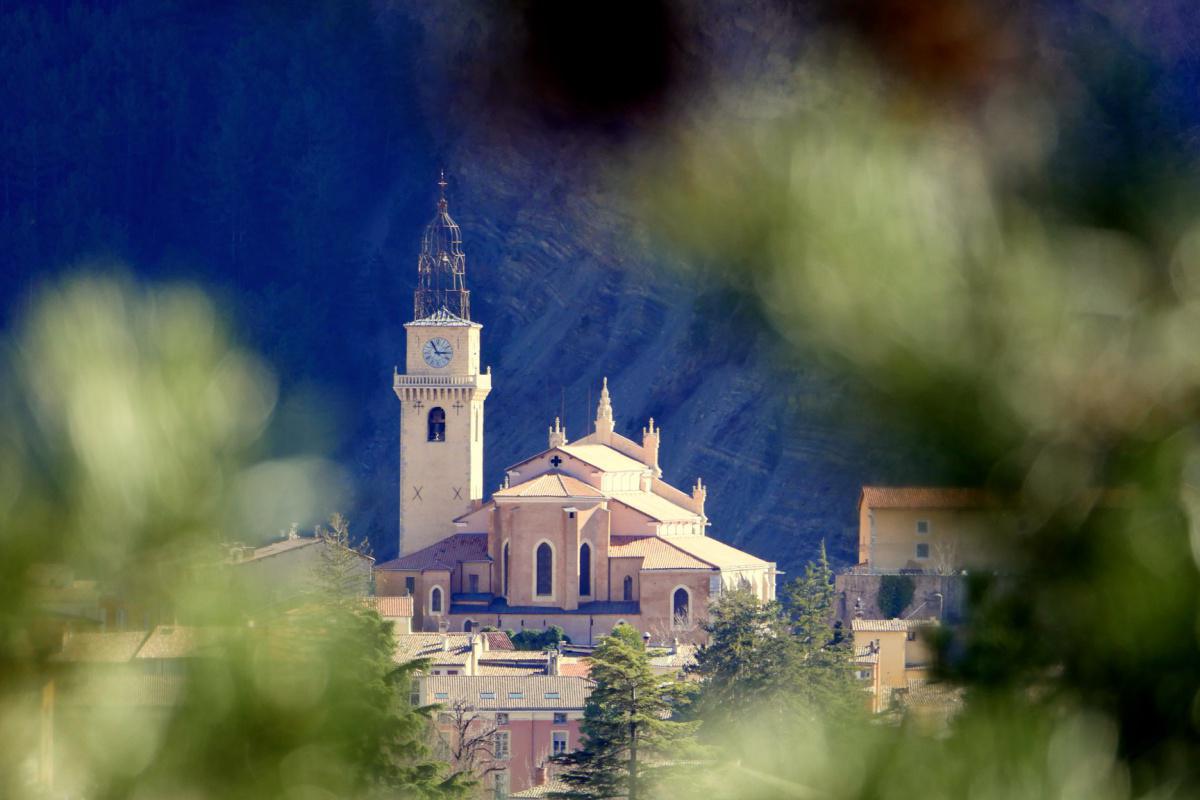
[
  {"x": 437, "y": 424},
  {"x": 627, "y": 584},
  {"x": 506, "y": 569},
  {"x": 545, "y": 564},
  {"x": 585, "y": 570},
  {"x": 410, "y": 585},
  {"x": 473, "y": 583},
  {"x": 679, "y": 604},
  {"x": 435, "y": 600}
]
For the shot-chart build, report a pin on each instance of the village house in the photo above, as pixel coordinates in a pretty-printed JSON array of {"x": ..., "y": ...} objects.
[
  {"x": 522, "y": 720},
  {"x": 891, "y": 656}
]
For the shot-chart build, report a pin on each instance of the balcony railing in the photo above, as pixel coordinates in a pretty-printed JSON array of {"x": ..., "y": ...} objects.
[{"x": 442, "y": 380}]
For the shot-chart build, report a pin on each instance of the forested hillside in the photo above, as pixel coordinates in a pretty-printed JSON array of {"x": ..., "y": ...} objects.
[{"x": 284, "y": 158}]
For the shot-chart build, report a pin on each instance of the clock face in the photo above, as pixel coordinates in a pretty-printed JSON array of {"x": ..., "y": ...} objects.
[{"x": 437, "y": 352}]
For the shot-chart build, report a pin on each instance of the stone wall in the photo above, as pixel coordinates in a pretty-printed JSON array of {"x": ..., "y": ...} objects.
[{"x": 951, "y": 607}]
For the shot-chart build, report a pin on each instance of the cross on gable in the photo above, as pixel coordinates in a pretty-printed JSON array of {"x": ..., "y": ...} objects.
[
  {"x": 418, "y": 405},
  {"x": 457, "y": 406},
  {"x": 556, "y": 461}
]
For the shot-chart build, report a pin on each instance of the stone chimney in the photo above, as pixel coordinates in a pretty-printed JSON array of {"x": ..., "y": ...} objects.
[
  {"x": 558, "y": 434},
  {"x": 539, "y": 775},
  {"x": 699, "y": 495},
  {"x": 604, "y": 415},
  {"x": 650, "y": 440}
]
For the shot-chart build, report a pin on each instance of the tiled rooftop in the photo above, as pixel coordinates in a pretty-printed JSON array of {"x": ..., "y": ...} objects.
[
  {"x": 505, "y": 693},
  {"x": 551, "y": 484},
  {"x": 179, "y": 641},
  {"x": 101, "y": 647},
  {"x": 931, "y": 497},
  {"x": 656, "y": 552},
  {"x": 886, "y": 625},
  {"x": 656, "y": 507},
  {"x": 391, "y": 605},
  {"x": 604, "y": 457},
  {"x": 444, "y": 554}
]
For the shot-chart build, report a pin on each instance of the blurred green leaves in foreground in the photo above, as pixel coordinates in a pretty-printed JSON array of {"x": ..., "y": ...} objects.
[
  {"x": 893, "y": 237},
  {"x": 133, "y": 450}
]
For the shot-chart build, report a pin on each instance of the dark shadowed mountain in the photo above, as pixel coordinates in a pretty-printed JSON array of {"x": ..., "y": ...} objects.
[{"x": 284, "y": 157}]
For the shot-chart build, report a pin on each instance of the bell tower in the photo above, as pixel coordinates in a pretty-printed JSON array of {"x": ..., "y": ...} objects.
[{"x": 441, "y": 392}]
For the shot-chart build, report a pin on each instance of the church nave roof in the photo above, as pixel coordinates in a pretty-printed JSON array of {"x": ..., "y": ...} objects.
[
  {"x": 445, "y": 554},
  {"x": 550, "y": 484}
]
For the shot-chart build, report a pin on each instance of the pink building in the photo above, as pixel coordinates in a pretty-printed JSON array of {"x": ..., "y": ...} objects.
[{"x": 528, "y": 719}]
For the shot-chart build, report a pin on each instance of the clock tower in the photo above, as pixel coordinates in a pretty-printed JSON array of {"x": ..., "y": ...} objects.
[{"x": 441, "y": 392}]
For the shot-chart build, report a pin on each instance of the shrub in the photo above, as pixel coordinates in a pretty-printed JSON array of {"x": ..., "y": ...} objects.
[{"x": 895, "y": 593}]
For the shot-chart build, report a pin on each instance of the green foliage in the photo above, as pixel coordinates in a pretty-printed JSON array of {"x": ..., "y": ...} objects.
[
  {"x": 895, "y": 594},
  {"x": 539, "y": 640},
  {"x": 629, "y": 739}
]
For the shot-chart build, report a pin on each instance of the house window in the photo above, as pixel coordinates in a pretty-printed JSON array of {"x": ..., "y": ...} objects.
[
  {"x": 627, "y": 587},
  {"x": 487, "y": 695},
  {"x": 558, "y": 743},
  {"x": 501, "y": 786},
  {"x": 410, "y": 585},
  {"x": 501, "y": 719},
  {"x": 435, "y": 600},
  {"x": 451, "y": 672},
  {"x": 441, "y": 696},
  {"x": 550, "y": 695},
  {"x": 500, "y": 742},
  {"x": 516, "y": 695},
  {"x": 473, "y": 580},
  {"x": 414, "y": 697},
  {"x": 437, "y": 424},
  {"x": 922, "y": 526},
  {"x": 680, "y": 603},
  {"x": 560, "y": 718},
  {"x": 923, "y": 550},
  {"x": 585, "y": 570},
  {"x": 545, "y": 565}
]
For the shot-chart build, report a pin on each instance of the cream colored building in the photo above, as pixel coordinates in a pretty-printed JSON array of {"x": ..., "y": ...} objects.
[
  {"x": 891, "y": 656},
  {"x": 930, "y": 529},
  {"x": 584, "y": 534}
]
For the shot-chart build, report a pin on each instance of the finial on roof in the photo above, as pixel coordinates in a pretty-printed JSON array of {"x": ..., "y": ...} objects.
[
  {"x": 558, "y": 434},
  {"x": 442, "y": 189},
  {"x": 604, "y": 411}
]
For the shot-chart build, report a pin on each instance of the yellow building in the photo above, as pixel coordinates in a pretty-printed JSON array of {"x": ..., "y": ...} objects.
[
  {"x": 891, "y": 656},
  {"x": 937, "y": 530}
]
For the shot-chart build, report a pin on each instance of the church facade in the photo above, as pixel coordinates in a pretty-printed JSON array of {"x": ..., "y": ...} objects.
[{"x": 584, "y": 534}]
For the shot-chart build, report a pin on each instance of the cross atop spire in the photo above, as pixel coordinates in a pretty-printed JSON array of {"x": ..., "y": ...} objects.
[
  {"x": 604, "y": 411},
  {"x": 442, "y": 190}
]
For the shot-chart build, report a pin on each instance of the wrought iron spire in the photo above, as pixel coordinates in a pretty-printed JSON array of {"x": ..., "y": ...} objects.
[{"x": 442, "y": 266}]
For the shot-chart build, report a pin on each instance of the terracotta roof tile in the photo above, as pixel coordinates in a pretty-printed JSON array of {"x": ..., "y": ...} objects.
[
  {"x": 550, "y": 484},
  {"x": 924, "y": 497},
  {"x": 656, "y": 507},
  {"x": 717, "y": 553},
  {"x": 606, "y": 458},
  {"x": 498, "y": 640},
  {"x": 439, "y": 648},
  {"x": 552, "y": 785},
  {"x": 656, "y": 552},
  {"x": 391, "y": 605},
  {"x": 444, "y": 554}
]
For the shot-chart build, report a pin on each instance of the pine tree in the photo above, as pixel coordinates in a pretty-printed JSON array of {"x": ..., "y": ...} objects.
[
  {"x": 629, "y": 737},
  {"x": 823, "y": 669},
  {"x": 746, "y": 657}
]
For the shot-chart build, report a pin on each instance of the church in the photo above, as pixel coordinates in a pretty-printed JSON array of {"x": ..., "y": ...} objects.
[{"x": 583, "y": 535}]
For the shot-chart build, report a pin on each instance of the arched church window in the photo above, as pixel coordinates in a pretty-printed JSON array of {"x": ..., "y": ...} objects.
[
  {"x": 679, "y": 605},
  {"x": 437, "y": 424},
  {"x": 627, "y": 592},
  {"x": 545, "y": 564},
  {"x": 467, "y": 625},
  {"x": 585, "y": 569},
  {"x": 435, "y": 600}
]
